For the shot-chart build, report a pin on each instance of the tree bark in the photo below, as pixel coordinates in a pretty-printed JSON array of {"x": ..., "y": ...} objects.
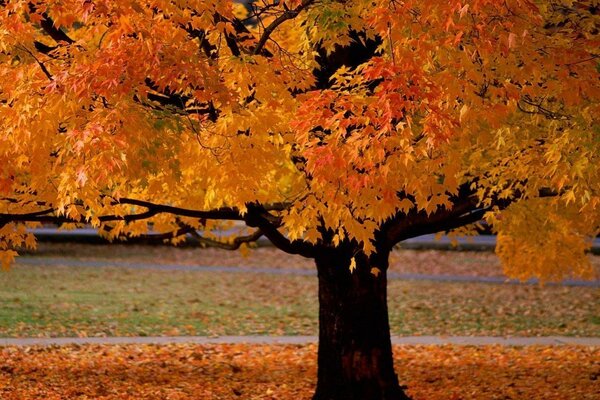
[{"x": 355, "y": 352}]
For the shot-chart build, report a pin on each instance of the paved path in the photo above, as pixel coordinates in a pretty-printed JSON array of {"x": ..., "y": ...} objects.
[
  {"x": 70, "y": 262},
  {"x": 475, "y": 243},
  {"x": 90, "y": 235},
  {"x": 400, "y": 340}
]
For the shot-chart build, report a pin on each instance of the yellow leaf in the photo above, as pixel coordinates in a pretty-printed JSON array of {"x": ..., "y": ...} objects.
[
  {"x": 463, "y": 112},
  {"x": 352, "y": 264},
  {"x": 7, "y": 257}
]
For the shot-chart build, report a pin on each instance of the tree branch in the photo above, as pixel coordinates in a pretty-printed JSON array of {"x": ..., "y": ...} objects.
[
  {"x": 50, "y": 215},
  {"x": 415, "y": 223},
  {"x": 443, "y": 225},
  {"x": 288, "y": 14},
  {"x": 465, "y": 211},
  {"x": 258, "y": 217},
  {"x": 40, "y": 63},
  {"x": 235, "y": 243},
  {"x": 50, "y": 28},
  {"x": 159, "y": 236}
]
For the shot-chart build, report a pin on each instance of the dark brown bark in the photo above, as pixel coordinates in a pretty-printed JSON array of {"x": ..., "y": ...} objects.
[{"x": 355, "y": 353}]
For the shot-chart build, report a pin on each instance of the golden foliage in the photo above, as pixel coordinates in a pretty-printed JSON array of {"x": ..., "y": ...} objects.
[{"x": 179, "y": 103}]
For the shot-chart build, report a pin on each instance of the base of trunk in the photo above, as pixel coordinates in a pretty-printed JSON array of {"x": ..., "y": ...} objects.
[
  {"x": 355, "y": 352},
  {"x": 366, "y": 392}
]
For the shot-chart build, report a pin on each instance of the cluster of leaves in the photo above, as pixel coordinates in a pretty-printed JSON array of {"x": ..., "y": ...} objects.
[
  {"x": 287, "y": 372},
  {"x": 447, "y": 107}
]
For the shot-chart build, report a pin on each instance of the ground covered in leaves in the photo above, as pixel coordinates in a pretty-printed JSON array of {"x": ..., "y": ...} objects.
[
  {"x": 288, "y": 372},
  {"x": 72, "y": 301}
]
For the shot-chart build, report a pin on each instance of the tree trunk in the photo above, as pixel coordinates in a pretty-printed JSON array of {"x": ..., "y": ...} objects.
[{"x": 355, "y": 352}]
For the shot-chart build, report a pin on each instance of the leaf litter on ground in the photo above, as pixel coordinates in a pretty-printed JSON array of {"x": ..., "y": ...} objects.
[{"x": 178, "y": 372}]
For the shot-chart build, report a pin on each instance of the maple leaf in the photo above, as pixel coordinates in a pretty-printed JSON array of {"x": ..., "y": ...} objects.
[{"x": 352, "y": 266}]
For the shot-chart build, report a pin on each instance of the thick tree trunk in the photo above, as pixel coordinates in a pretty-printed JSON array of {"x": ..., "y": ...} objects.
[{"x": 355, "y": 352}]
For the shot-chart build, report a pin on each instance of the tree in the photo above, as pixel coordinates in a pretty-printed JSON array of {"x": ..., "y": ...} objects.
[{"x": 334, "y": 128}]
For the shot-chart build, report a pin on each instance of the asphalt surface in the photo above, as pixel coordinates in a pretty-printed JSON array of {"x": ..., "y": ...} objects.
[
  {"x": 70, "y": 262},
  {"x": 475, "y": 243},
  {"x": 271, "y": 340}
]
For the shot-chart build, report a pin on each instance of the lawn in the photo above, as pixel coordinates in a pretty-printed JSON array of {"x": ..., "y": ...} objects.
[
  {"x": 178, "y": 372},
  {"x": 109, "y": 301},
  {"x": 69, "y": 301}
]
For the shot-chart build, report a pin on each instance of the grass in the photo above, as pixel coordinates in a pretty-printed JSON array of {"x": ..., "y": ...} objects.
[{"x": 67, "y": 301}]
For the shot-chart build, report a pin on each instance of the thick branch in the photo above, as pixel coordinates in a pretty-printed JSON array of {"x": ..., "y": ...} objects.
[
  {"x": 259, "y": 217},
  {"x": 415, "y": 223},
  {"x": 260, "y": 220},
  {"x": 465, "y": 211},
  {"x": 50, "y": 28},
  {"x": 223, "y": 213},
  {"x": 442, "y": 224},
  {"x": 50, "y": 215}
]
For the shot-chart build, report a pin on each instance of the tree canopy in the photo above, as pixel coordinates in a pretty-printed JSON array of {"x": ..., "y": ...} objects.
[{"x": 314, "y": 121}]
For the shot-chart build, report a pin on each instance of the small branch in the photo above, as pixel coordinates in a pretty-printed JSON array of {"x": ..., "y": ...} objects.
[
  {"x": 230, "y": 39},
  {"x": 288, "y": 14},
  {"x": 22, "y": 203},
  {"x": 159, "y": 236},
  {"x": 235, "y": 243},
  {"x": 540, "y": 110},
  {"x": 592, "y": 58}
]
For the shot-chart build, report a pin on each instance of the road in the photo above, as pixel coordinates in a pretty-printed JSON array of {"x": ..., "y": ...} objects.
[
  {"x": 74, "y": 262},
  {"x": 397, "y": 340},
  {"x": 476, "y": 243}
]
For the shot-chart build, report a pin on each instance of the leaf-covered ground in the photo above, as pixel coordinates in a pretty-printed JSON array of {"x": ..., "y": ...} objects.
[
  {"x": 288, "y": 372},
  {"x": 68, "y": 301}
]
